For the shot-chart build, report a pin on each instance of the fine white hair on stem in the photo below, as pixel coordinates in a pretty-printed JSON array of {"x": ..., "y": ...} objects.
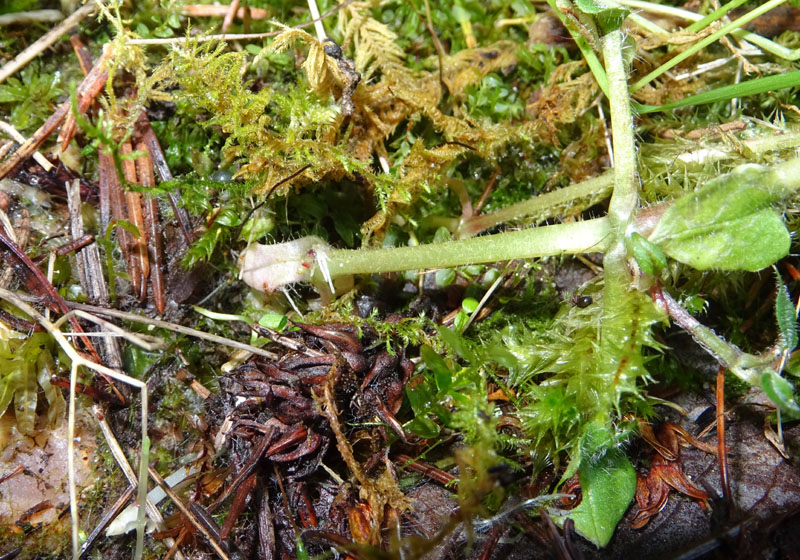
[
  {"x": 513, "y": 508},
  {"x": 322, "y": 263},
  {"x": 77, "y": 361},
  {"x": 290, "y": 299}
]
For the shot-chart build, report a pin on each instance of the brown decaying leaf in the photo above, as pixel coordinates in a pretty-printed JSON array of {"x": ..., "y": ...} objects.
[{"x": 652, "y": 491}]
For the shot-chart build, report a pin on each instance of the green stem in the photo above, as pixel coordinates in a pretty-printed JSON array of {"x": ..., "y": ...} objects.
[
  {"x": 615, "y": 329},
  {"x": 747, "y": 367},
  {"x": 573, "y": 238},
  {"x": 626, "y": 196},
  {"x": 541, "y": 207}
]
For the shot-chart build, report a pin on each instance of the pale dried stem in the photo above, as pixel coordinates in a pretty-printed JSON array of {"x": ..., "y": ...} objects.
[
  {"x": 17, "y": 137},
  {"x": 31, "y": 16},
  {"x": 237, "y": 36},
  {"x": 318, "y": 27},
  {"x": 231, "y": 13},
  {"x": 164, "y": 325}
]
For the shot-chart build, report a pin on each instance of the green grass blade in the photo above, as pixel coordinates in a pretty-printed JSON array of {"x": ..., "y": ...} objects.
[
  {"x": 586, "y": 49},
  {"x": 739, "y": 23},
  {"x": 744, "y": 89},
  {"x": 715, "y": 15}
]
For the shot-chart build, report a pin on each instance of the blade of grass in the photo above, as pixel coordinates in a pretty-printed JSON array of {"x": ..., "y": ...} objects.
[
  {"x": 743, "y": 89},
  {"x": 586, "y": 49},
  {"x": 724, "y": 30},
  {"x": 757, "y": 40},
  {"x": 722, "y": 11}
]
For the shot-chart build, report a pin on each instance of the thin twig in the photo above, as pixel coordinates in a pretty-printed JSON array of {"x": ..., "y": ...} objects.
[
  {"x": 45, "y": 41},
  {"x": 169, "y": 326},
  {"x": 148, "y": 342},
  {"x": 206, "y": 10},
  {"x": 49, "y": 126},
  {"x": 46, "y": 287},
  {"x": 31, "y": 16},
  {"x": 106, "y": 520},
  {"x": 233, "y": 8},
  {"x": 17, "y": 137}
]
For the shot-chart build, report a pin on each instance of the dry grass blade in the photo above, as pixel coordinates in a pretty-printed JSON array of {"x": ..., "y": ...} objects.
[
  {"x": 171, "y": 327},
  {"x": 140, "y": 270},
  {"x": 155, "y": 246},
  {"x": 17, "y": 137}
]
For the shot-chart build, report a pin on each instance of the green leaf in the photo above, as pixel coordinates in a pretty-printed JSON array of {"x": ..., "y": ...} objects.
[
  {"x": 124, "y": 224},
  {"x": 591, "y": 6},
  {"x": 445, "y": 277},
  {"x": 608, "y": 485},
  {"x": 469, "y": 304},
  {"x": 421, "y": 393},
  {"x": 460, "y": 322},
  {"x": 274, "y": 321},
  {"x": 786, "y": 316},
  {"x": 780, "y": 392},
  {"x": 423, "y": 427},
  {"x": 609, "y": 16},
  {"x": 728, "y": 224},
  {"x": 441, "y": 373},
  {"x": 458, "y": 344},
  {"x": 743, "y": 89},
  {"x": 650, "y": 258}
]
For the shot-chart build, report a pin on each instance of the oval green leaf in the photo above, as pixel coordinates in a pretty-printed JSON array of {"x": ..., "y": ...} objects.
[
  {"x": 728, "y": 224},
  {"x": 608, "y": 486}
]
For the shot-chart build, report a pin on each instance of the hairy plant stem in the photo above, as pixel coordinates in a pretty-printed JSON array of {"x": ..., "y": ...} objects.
[
  {"x": 748, "y": 367},
  {"x": 573, "y": 238},
  {"x": 543, "y": 206},
  {"x": 614, "y": 334}
]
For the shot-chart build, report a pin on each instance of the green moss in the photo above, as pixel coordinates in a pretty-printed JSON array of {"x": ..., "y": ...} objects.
[{"x": 30, "y": 97}]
